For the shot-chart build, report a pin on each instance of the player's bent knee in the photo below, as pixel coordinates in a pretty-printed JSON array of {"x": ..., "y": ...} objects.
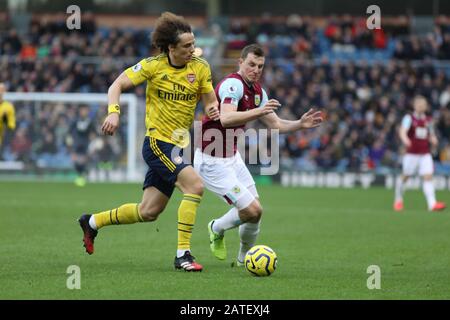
[
  {"x": 257, "y": 213},
  {"x": 428, "y": 177},
  {"x": 150, "y": 213},
  {"x": 253, "y": 212},
  {"x": 197, "y": 187},
  {"x": 192, "y": 184}
]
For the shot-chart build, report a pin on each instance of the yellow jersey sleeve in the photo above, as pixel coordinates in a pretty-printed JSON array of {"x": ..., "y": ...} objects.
[
  {"x": 141, "y": 71},
  {"x": 206, "y": 85}
]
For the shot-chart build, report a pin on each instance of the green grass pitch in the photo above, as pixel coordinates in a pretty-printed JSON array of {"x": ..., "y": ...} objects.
[{"x": 325, "y": 240}]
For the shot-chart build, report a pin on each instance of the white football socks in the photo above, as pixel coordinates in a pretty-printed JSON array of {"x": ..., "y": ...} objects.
[
  {"x": 248, "y": 233},
  {"x": 181, "y": 252},
  {"x": 399, "y": 189},
  {"x": 228, "y": 221},
  {"x": 92, "y": 222},
  {"x": 428, "y": 190}
]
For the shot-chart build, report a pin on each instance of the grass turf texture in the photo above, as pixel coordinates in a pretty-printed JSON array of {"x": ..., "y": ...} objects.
[{"x": 325, "y": 240}]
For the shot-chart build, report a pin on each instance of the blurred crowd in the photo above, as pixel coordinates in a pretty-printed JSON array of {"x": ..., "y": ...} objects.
[
  {"x": 363, "y": 105},
  {"x": 46, "y": 137},
  {"x": 296, "y": 35},
  {"x": 363, "y": 99}
]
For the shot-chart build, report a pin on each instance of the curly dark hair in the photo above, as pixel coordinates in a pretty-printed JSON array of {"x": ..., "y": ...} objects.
[{"x": 167, "y": 30}]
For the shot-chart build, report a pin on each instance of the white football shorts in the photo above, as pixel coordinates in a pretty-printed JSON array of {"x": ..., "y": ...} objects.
[
  {"x": 228, "y": 178},
  {"x": 417, "y": 163}
]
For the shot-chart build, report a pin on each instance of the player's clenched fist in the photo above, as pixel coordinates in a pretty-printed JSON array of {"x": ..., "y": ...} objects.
[{"x": 110, "y": 124}]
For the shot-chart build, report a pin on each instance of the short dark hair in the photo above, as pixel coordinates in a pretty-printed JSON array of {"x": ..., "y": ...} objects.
[
  {"x": 254, "y": 48},
  {"x": 167, "y": 30},
  {"x": 419, "y": 97}
]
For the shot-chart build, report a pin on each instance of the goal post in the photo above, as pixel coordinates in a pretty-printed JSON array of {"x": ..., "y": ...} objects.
[{"x": 129, "y": 115}]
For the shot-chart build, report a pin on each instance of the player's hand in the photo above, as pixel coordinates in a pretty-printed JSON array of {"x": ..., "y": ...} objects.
[
  {"x": 270, "y": 106},
  {"x": 434, "y": 141},
  {"x": 212, "y": 111},
  {"x": 110, "y": 124},
  {"x": 407, "y": 143},
  {"x": 311, "y": 119}
]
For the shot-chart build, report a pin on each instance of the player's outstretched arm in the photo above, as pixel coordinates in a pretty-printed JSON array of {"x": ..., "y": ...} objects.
[
  {"x": 119, "y": 85},
  {"x": 230, "y": 117},
  {"x": 310, "y": 119}
]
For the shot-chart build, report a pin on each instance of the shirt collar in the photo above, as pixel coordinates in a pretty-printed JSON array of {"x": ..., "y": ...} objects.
[{"x": 170, "y": 63}]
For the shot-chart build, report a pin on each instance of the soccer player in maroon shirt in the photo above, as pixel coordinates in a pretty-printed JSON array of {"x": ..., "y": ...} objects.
[
  {"x": 242, "y": 99},
  {"x": 417, "y": 133}
]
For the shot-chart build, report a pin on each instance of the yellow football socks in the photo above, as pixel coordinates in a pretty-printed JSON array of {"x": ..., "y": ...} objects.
[
  {"x": 125, "y": 214},
  {"x": 186, "y": 219}
]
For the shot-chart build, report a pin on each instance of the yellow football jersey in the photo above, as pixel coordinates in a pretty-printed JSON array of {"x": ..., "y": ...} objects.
[
  {"x": 7, "y": 118},
  {"x": 172, "y": 95}
]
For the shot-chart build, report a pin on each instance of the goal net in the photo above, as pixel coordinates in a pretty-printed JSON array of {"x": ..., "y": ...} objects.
[{"x": 42, "y": 143}]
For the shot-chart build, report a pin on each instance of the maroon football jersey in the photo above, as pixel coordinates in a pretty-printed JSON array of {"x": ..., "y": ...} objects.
[
  {"x": 252, "y": 97},
  {"x": 419, "y": 134}
]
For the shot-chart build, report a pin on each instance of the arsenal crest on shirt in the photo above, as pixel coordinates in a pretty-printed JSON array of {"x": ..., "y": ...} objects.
[
  {"x": 257, "y": 99},
  {"x": 191, "y": 77}
]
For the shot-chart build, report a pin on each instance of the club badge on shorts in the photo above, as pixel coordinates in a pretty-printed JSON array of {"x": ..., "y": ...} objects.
[
  {"x": 257, "y": 99},
  {"x": 178, "y": 160},
  {"x": 191, "y": 77},
  {"x": 236, "y": 189}
]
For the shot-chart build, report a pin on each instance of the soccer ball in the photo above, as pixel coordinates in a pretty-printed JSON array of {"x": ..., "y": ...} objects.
[{"x": 261, "y": 261}]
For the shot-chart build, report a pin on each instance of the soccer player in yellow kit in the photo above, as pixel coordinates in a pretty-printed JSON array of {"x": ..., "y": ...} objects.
[
  {"x": 176, "y": 80},
  {"x": 7, "y": 114}
]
